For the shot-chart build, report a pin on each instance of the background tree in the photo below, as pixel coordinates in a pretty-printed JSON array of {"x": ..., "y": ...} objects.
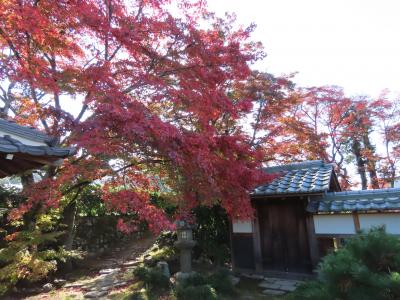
[{"x": 387, "y": 112}]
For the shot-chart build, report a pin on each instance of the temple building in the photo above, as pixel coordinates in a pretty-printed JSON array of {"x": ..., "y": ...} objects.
[
  {"x": 24, "y": 148},
  {"x": 302, "y": 214}
]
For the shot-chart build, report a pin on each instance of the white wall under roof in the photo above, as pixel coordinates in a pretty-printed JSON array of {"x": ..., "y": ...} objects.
[
  {"x": 334, "y": 224},
  {"x": 242, "y": 227},
  {"x": 397, "y": 183},
  {"x": 390, "y": 220},
  {"x": 344, "y": 224},
  {"x": 23, "y": 140}
]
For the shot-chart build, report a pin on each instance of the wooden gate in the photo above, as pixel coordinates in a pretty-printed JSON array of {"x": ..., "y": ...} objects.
[{"x": 283, "y": 236}]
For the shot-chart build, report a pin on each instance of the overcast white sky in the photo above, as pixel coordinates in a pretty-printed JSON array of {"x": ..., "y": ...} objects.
[{"x": 350, "y": 43}]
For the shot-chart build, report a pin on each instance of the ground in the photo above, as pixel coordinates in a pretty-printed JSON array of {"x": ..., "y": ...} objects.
[
  {"x": 111, "y": 277},
  {"x": 110, "y": 273}
]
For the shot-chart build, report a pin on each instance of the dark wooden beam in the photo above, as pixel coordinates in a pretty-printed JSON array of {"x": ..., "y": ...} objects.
[
  {"x": 7, "y": 167},
  {"x": 43, "y": 160},
  {"x": 312, "y": 240},
  {"x": 356, "y": 220},
  {"x": 3, "y": 173},
  {"x": 16, "y": 166},
  {"x": 233, "y": 259},
  {"x": 258, "y": 262}
]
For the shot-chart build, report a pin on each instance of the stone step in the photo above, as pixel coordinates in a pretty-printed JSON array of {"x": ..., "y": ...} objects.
[
  {"x": 279, "y": 284},
  {"x": 273, "y": 292}
]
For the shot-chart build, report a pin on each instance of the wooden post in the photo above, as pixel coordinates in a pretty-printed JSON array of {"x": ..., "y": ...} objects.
[
  {"x": 257, "y": 243},
  {"x": 312, "y": 240},
  {"x": 356, "y": 220},
  {"x": 231, "y": 244}
]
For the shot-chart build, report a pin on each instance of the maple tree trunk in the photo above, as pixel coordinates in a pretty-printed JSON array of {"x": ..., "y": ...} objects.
[
  {"x": 29, "y": 217},
  {"x": 373, "y": 175},
  {"x": 371, "y": 165},
  {"x": 356, "y": 149},
  {"x": 392, "y": 175},
  {"x": 69, "y": 218},
  {"x": 26, "y": 180}
]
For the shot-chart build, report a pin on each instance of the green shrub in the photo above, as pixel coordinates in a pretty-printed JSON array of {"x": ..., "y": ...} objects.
[
  {"x": 367, "y": 267},
  {"x": 31, "y": 255},
  {"x": 141, "y": 273},
  {"x": 221, "y": 281},
  {"x": 153, "y": 278},
  {"x": 197, "y": 292},
  {"x": 194, "y": 280},
  {"x": 166, "y": 239}
]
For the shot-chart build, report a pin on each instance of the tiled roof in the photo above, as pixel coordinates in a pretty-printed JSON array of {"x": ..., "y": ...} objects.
[
  {"x": 10, "y": 145},
  {"x": 365, "y": 200},
  {"x": 17, "y": 157},
  {"x": 25, "y": 132},
  {"x": 306, "y": 177}
]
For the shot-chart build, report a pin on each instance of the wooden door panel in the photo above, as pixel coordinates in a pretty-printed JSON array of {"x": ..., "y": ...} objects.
[{"x": 284, "y": 240}]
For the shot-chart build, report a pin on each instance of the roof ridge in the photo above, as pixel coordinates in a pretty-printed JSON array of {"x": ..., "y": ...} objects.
[
  {"x": 297, "y": 166},
  {"x": 363, "y": 192},
  {"x": 361, "y": 200},
  {"x": 32, "y": 150},
  {"x": 305, "y": 177}
]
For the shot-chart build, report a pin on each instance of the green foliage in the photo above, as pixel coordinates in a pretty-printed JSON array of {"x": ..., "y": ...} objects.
[
  {"x": 205, "y": 287},
  {"x": 221, "y": 281},
  {"x": 194, "y": 280},
  {"x": 153, "y": 278},
  {"x": 198, "y": 292},
  {"x": 166, "y": 239},
  {"x": 90, "y": 202},
  {"x": 30, "y": 255},
  {"x": 162, "y": 201},
  {"x": 212, "y": 234},
  {"x": 95, "y": 226},
  {"x": 194, "y": 287},
  {"x": 366, "y": 268},
  {"x": 10, "y": 197},
  {"x": 163, "y": 254},
  {"x": 30, "y": 250}
]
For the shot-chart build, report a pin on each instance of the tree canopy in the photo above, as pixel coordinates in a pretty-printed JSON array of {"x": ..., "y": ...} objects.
[
  {"x": 159, "y": 98},
  {"x": 153, "y": 89}
]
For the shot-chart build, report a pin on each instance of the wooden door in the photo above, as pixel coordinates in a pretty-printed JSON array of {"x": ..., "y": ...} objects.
[{"x": 283, "y": 235}]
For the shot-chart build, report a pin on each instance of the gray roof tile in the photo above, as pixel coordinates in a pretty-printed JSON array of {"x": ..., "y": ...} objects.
[
  {"x": 10, "y": 145},
  {"x": 26, "y": 132},
  {"x": 365, "y": 200},
  {"x": 305, "y": 177}
]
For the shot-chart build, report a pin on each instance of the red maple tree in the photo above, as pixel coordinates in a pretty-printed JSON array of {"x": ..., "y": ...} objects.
[{"x": 152, "y": 106}]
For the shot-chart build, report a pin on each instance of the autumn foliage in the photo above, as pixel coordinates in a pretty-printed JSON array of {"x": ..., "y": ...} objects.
[
  {"x": 158, "y": 97},
  {"x": 143, "y": 95}
]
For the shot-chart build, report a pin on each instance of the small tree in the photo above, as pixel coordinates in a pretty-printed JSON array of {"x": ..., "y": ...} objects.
[{"x": 367, "y": 267}]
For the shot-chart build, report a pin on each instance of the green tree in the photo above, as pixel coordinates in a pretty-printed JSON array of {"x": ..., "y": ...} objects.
[{"x": 367, "y": 268}]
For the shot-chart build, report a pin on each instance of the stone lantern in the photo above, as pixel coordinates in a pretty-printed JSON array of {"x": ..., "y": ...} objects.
[{"x": 185, "y": 244}]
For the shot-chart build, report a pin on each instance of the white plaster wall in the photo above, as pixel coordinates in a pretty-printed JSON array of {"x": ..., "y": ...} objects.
[
  {"x": 334, "y": 224},
  {"x": 242, "y": 227},
  {"x": 390, "y": 220},
  {"x": 397, "y": 183},
  {"x": 21, "y": 139}
]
